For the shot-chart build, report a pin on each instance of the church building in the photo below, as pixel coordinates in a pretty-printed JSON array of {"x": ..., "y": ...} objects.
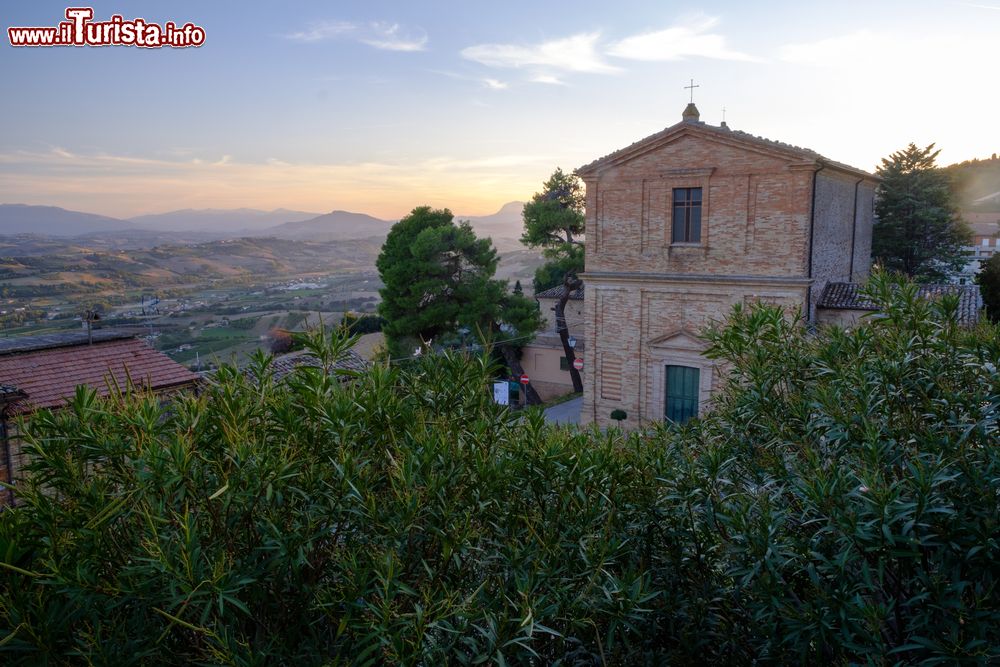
[{"x": 685, "y": 223}]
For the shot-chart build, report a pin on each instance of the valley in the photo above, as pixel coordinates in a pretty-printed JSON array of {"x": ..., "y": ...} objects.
[{"x": 205, "y": 300}]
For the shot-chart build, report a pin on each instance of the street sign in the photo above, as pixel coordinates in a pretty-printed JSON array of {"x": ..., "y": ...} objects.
[
  {"x": 578, "y": 364},
  {"x": 524, "y": 378},
  {"x": 501, "y": 393}
]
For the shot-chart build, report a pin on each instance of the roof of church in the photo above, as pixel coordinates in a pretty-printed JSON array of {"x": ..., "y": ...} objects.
[
  {"x": 556, "y": 292},
  {"x": 726, "y": 132},
  {"x": 848, "y": 296}
]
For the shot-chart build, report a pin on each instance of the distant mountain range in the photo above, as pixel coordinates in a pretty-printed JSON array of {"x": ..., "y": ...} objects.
[
  {"x": 192, "y": 225},
  {"x": 219, "y": 220},
  {"x": 55, "y": 221},
  {"x": 334, "y": 226}
]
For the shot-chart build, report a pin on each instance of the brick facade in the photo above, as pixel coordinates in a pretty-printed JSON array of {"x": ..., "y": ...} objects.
[{"x": 777, "y": 223}]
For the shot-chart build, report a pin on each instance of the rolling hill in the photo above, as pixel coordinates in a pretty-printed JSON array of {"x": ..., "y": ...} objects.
[
  {"x": 334, "y": 226},
  {"x": 55, "y": 221},
  {"x": 238, "y": 221},
  {"x": 341, "y": 225},
  {"x": 504, "y": 224}
]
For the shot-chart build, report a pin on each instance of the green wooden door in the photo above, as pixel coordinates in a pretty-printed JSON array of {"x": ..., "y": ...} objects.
[{"x": 682, "y": 393}]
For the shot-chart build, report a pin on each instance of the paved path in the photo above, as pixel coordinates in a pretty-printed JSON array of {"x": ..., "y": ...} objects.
[{"x": 565, "y": 413}]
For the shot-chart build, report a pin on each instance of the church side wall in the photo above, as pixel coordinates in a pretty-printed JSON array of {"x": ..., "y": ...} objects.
[
  {"x": 863, "y": 234},
  {"x": 841, "y": 231}
]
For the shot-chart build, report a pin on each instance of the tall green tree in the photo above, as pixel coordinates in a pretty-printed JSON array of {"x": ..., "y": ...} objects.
[
  {"x": 432, "y": 271},
  {"x": 438, "y": 276},
  {"x": 554, "y": 220},
  {"x": 918, "y": 231},
  {"x": 989, "y": 286}
]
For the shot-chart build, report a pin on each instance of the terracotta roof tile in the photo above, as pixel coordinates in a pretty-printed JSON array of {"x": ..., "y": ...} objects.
[
  {"x": 49, "y": 375},
  {"x": 283, "y": 365},
  {"x": 848, "y": 296},
  {"x": 556, "y": 292},
  {"x": 61, "y": 339}
]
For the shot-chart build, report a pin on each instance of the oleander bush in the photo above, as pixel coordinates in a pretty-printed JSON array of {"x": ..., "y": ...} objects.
[{"x": 840, "y": 505}]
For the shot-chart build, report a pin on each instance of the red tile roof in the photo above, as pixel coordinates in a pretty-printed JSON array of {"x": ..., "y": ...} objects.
[{"x": 50, "y": 376}]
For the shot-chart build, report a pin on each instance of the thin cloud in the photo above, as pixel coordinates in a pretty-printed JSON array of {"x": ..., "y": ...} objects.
[
  {"x": 390, "y": 37},
  {"x": 495, "y": 84},
  {"x": 548, "y": 79},
  {"x": 577, "y": 53},
  {"x": 320, "y": 30},
  {"x": 378, "y": 35},
  {"x": 588, "y": 52},
  {"x": 678, "y": 42}
]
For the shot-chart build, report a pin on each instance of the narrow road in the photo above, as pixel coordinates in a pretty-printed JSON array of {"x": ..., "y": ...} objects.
[{"x": 565, "y": 413}]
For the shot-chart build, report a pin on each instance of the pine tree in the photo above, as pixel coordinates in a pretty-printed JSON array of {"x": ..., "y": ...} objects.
[
  {"x": 917, "y": 231},
  {"x": 554, "y": 221},
  {"x": 436, "y": 276}
]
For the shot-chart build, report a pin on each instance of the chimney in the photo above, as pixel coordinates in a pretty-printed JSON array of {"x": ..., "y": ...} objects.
[{"x": 691, "y": 114}]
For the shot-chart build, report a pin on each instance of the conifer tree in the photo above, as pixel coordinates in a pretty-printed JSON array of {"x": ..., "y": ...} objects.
[
  {"x": 917, "y": 231},
  {"x": 554, "y": 221}
]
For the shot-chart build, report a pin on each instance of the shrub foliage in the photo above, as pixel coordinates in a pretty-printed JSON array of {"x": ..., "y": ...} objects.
[{"x": 840, "y": 505}]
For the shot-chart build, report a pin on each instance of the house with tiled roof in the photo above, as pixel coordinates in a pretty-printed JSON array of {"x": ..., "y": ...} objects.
[
  {"x": 285, "y": 364},
  {"x": 687, "y": 222},
  {"x": 844, "y": 304},
  {"x": 43, "y": 372},
  {"x": 543, "y": 359}
]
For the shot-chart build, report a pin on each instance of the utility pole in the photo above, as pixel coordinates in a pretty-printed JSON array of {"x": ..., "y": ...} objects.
[{"x": 91, "y": 317}]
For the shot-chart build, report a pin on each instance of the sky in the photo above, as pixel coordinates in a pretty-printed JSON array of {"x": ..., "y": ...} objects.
[{"x": 379, "y": 107}]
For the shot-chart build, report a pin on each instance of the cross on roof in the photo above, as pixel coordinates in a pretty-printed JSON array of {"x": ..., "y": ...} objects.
[{"x": 691, "y": 88}]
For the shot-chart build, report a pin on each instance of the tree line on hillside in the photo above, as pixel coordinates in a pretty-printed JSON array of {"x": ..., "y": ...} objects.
[{"x": 839, "y": 506}]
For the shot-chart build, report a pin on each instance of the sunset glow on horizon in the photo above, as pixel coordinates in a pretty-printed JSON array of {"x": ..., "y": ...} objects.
[{"x": 317, "y": 107}]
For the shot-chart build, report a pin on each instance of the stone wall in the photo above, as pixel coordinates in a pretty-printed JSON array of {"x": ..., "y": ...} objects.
[
  {"x": 842, "y": 230},
  {"x": 841, "y": 317}
]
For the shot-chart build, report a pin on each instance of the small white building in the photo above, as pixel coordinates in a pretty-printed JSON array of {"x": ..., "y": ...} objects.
[{"x": 985, "y": 243}]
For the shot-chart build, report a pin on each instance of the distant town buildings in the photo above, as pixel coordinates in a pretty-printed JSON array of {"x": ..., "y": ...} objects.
[{"x": 985, "y": 242}]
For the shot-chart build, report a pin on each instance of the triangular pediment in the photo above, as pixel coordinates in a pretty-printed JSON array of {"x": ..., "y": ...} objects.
[
  {"x": 705, "y": 133},
  {"x": 679, "y": 339}
]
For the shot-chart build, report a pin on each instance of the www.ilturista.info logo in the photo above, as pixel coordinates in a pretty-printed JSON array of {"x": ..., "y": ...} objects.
[{"x": 80, "y": 30}]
